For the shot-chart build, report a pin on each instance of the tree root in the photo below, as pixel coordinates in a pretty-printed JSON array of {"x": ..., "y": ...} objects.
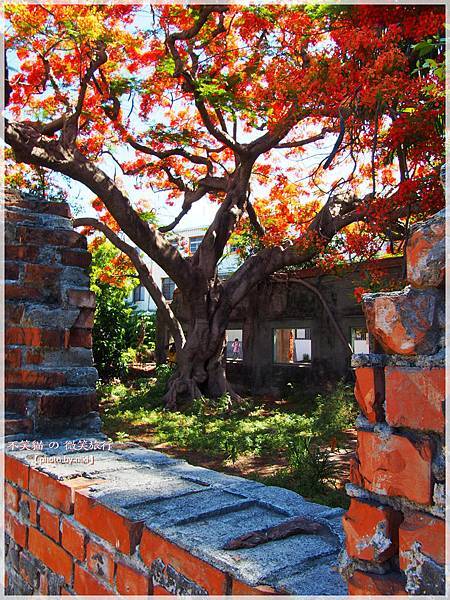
[{"x": 182, "y": 390}]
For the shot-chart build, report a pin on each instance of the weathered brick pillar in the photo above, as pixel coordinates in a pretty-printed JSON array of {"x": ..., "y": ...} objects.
[
  {"x": 395, "y": 528},
  {"x": 49, "y": 376}
]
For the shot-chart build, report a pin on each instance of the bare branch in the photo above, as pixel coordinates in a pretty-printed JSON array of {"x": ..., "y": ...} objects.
[
  {"x": 253, "y": 218},
  {"x": 306, "y": 141},
  {"x": 145, "y": 276},
  {"x": 199, "y": 160},
  {"x": 174, "y": 223},
  {"x": 205, "y": 185},
  {"x": 70, "y": 129},
  {"x": 190, "y": 84}
]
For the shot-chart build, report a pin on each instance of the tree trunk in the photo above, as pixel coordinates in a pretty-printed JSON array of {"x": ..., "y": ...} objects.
[{"x": 200, "y": 362}]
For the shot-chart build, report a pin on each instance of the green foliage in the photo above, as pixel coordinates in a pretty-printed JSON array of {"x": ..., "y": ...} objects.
[
  {"x": 120, "y": 334},
  {"x": 311, "y": 464},
  {"x": 334, "y": 413},
  {"x": 427, "y": 51},
  {"x": 219, "y": 429}
]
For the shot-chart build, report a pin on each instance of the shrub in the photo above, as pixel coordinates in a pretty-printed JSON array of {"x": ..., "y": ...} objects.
[
  {"x": 121, "y": 335},
  {"x": 334, "y": 413},
  {"x": 311, "y": 464}
]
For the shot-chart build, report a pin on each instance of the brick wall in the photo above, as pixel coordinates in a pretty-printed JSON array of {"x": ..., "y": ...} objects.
[
  {"x": 49, "y": 376},
  {"x": 395, "y": 528},
  {"x": 136, "y": 522}
]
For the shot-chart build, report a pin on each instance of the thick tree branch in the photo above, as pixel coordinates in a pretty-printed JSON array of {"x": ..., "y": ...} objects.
[
  {"x": 198, "y": 160},
  {"x": 32, "y": 148},
  {"x": 228, "y": 214},
  {"x": 253, "y": 218},
  {"x": 271, "y": 139},
  {"x": 145, "y": 276}
]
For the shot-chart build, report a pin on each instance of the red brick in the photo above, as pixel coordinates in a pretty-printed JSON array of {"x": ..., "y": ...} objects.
[
  {"x": 67, "y": 404},
  {"x": 49, "y": 522},
  {"x": 41, "y": 275},
  {"x": 369, "y": 584},
  {"x": 52, "y": 555},
  {"x": 15, "y": 425},
  {"x": 50, "y": 237},
  {"x": 81, "y": 298},
  {"x": 13, "y": 358},
  {"x": 29, "y": 336},
  {"x": 73, "y": 539},
  {"x": 61, "y": 209},
  {"x": 11, "y": 497},
  {"x": 160, "y": 591},
  {"x": 364, "y": 524},
  {"x": 35, "y": 336},
  {"x": 17, "y": 401},
  {"x": 12, "y": 216},
  {"x": 120, "y": 532},
  {"x": 43, "y": 584},
  {"x": 239, "y": 588},
  {"x": 27, "y": 253},
  {"x": 415, "y": 398},
  {"x": 87, "y": 585},
  {"x": 80, "y": 338},
  {"x": 13, "y": 312},
  {"x": 11, "y": 270},
  {"x": 369, "y": 392},
  {"x": 16, "y": 471},
  {"x": 59, "y": 494},
  {"x": 354, "y": 473},
  {"x": 15, "y": 529},
  {"x": 21, "y": 292},
  {"x": 34, "y": 357},
  {"x": 153, "y": 546},
  {"x": 24, "y": 378},
  {"x": 429, "y": 532},
  {"x": 28, "y": 508},
  {"x": 85, "y": 319},
  {"x": 130, "y": 582},
  {"x": 40, "y": 206},
  {"x": 100, "y": 562},
  {"x": 75, "y": 258},
  {"x": 425, "y": 253},
  {"x": 404, "y": 322},
  {"x": 51, "y": 491},
  {"x": 395, "y": 466}
]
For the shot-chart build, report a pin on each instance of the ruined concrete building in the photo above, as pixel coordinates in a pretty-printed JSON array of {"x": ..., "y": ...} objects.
[{"x": 299, "y": 327}]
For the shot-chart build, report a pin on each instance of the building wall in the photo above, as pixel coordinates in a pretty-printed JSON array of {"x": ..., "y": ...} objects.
[{"x": 283, "y": 302}]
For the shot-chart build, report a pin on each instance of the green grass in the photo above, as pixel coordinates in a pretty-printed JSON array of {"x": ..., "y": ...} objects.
[{"x": 300, "y": 431}]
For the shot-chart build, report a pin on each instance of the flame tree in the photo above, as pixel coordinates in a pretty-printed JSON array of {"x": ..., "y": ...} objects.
[{"x": 317, "y": 131}]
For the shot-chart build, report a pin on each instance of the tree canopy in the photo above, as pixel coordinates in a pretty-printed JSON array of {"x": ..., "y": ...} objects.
[{"x": 317, "y": 130}]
